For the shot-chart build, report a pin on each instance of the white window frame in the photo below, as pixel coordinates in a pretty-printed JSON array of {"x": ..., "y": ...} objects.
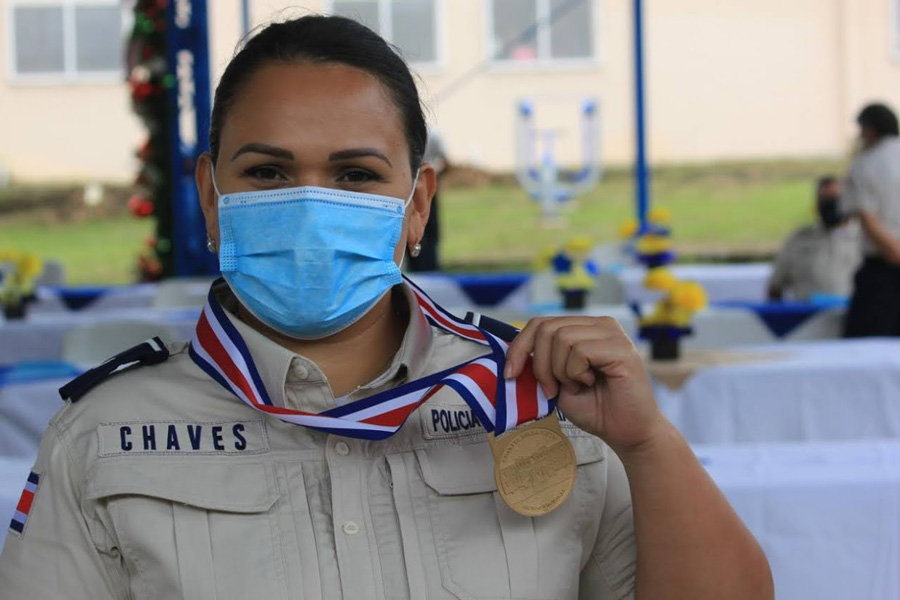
[
  {"x": 70, "y": 73},
  {"x": 895, "y": 30},
  {"x": 544, "y": 61},
  {"x": 386, "y": 30}
]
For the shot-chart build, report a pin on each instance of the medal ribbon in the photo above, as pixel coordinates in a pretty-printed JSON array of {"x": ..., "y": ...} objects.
[{"x": 499, "y": 404}]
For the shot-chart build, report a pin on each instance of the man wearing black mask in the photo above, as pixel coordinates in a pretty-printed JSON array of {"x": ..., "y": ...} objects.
[
  {"x": 818, "y": 259},
  {"x": 873, "y": 197}
]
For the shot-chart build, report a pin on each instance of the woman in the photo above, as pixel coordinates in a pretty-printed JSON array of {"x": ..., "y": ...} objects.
[{"x": 193, "y": 479}]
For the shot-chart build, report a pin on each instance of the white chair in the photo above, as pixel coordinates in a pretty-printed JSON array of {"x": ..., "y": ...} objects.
[
  {"x": 92, "y": 343},
  {"x": 542, "y": 287},
  {"x": 54, "y": 273},
  {"x": 608, "y": 290},
  {"x": 188, "y": 292}
]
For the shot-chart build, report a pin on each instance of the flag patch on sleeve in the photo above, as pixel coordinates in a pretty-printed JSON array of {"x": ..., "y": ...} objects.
[{"x": 20, "y": 516}]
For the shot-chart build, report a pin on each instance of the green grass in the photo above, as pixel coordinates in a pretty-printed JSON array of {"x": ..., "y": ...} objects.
[
  {"x": 92, "y": 251},
  {"x": 718, "y": 210}
]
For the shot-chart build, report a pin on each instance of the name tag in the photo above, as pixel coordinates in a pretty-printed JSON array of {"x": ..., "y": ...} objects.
[
  {"x": 182, "y": 437},
  {"x": 449, "y": 421}
]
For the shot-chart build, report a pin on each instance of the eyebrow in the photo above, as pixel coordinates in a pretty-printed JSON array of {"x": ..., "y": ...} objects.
[
  {"x": 263, "y": 149},
  {"x": 359, "y": 153}
]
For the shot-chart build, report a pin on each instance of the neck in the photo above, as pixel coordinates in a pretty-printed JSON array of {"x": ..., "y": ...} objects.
[{"x": 350, "y": 358}]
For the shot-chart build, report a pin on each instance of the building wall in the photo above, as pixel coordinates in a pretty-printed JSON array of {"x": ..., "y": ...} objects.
[
  {"x": 52, "y": 131},
  {"x": 727, "y": 79}
]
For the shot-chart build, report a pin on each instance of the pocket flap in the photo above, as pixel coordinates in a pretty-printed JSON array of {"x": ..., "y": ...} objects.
[
  {"x": 239, "y": 488},
  {"x": 469, "y": 468}
]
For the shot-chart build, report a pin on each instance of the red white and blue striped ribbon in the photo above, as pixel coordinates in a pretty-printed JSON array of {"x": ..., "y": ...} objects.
[{"x": 499, "y": 404}]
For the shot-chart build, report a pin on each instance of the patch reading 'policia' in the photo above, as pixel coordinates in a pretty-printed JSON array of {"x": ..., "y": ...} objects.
[{"x": 20, "y": 516}]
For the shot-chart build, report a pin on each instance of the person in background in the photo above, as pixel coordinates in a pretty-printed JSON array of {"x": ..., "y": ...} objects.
[
  {"x": 872, "y": 195},
  {"x": 819, "y": 259},
  {"x": 427, "y": 258}
]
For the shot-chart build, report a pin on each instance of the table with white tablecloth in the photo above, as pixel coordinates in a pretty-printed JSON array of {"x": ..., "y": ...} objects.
[
  {"x": 39, "y": 336},
  {"x": 722, "y": 282},
  {"x": 719, "y": 326},
  {"x": 25, "y": 410},
  {"x": 806, "y": 391},
  {"x": 826, "y": 514}
]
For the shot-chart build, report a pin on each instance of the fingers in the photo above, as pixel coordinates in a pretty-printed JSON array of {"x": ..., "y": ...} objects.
[
  {"x": 524, "y": 343},
  {"x": 568, "y": 351}
]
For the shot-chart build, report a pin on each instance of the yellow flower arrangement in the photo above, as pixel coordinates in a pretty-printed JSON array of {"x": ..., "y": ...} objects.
[
  {"x": 677, "y": 308},
  {"x": 579, "y": 245},
  {"x": 660, "y": 279},
  {"x": 689, "y": 296},
  {"x": 660, "y": 215},
  {"x": 628, "y": 229},
  {"x": 653, "y": 244},
  {"x": 544, "y": 260},
  {"x": 20, "y": 271}
]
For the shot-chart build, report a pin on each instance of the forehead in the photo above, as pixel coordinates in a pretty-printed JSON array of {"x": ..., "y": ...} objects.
[{"x": 304, "y": 106}]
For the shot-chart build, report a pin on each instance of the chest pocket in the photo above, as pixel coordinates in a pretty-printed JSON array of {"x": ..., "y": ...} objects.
[
  {"x": 193, "y": 529},
  {"x": 484, "y": 549}
]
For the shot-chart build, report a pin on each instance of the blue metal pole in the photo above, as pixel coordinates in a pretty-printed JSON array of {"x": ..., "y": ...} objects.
[
  {"x": 245, "y": 15},
  {"x": 188, "y": 55},
  {"x": 641, "y": 172}
]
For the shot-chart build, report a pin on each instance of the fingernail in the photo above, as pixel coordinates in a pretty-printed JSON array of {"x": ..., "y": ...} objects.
[{"x": 507, "y": 370}]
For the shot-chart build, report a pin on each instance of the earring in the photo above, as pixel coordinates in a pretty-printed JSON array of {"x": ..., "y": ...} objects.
[
  {"x": 416, "y": 250},
  {"x": 210, "y": 244}
]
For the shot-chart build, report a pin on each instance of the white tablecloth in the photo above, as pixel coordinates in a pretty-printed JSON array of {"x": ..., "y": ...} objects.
[
  {"x": 112, "y": 298},
  {"x": 39, "y": 336},
  {"x": 715, "y": 327},
  {"x": 810, "y": 391},
  {"x": 827, "y": 515},
  {"x": 25, "y": 410},
  {"x": 722, "y": 282}
]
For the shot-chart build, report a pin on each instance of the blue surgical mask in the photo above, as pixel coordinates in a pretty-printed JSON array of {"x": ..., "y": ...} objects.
[{"x": 309, "y": 261}]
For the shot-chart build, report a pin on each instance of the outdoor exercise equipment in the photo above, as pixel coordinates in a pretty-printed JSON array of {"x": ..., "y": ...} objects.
[{"x": 542, "y": 177}]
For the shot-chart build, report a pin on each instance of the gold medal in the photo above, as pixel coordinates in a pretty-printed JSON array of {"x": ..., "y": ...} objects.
[{"x": 534, "y": 466}]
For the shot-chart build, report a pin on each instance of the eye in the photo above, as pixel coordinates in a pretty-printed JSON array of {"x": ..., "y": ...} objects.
[
  {"x": 357, "y": 176},
  {"x": 266, "y": 173}
]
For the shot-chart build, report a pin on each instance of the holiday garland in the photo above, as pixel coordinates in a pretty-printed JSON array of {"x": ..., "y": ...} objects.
[{"x": 149, "y": 80}]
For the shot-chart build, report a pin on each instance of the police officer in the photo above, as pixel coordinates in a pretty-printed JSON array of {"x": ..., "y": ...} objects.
[
  {"x": 873, "y": 197},
  {"x": 220, "y": 472},
  {"x": 820, "y": 258}
]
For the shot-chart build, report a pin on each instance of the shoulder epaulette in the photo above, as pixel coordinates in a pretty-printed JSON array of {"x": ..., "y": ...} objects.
[
  {"x": 504, "y": 331},
  {"x": 151, "y": 352}
]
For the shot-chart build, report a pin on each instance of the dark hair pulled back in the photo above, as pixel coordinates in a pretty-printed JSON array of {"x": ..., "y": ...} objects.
[{"x": 325, "y": 39}]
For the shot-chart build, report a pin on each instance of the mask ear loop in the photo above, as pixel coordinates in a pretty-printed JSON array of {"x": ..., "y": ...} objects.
[
  {"x": 212, "y": 173},
  {"x": 408, "y": 202}
]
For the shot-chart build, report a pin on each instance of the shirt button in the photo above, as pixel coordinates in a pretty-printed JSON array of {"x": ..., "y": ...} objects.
[
  {"x": 342, "y": 448},
  {"x": 301, "y": 372},
  {"x": 351, "y": 528}
]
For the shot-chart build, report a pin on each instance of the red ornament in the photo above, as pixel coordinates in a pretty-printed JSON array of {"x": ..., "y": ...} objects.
[
  {"x": 145, "y": 151},
  {"x": 140, "y": 206}
]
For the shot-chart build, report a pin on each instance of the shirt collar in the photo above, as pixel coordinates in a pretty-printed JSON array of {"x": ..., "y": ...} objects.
[{"x": 279, "y": 367}]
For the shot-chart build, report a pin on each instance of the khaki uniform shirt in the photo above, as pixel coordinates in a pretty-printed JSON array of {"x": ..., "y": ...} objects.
[
  {"x": 816, "y": 260},
  {"x": 874, "y": 185},
  {"x": 161, "y": 484}
]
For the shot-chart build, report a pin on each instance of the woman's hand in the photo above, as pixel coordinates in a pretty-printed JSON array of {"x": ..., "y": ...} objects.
[{"x": 599, "y": 376}]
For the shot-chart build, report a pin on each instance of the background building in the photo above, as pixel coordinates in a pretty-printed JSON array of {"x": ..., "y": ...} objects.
[{"x": 726, "y": 79}]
